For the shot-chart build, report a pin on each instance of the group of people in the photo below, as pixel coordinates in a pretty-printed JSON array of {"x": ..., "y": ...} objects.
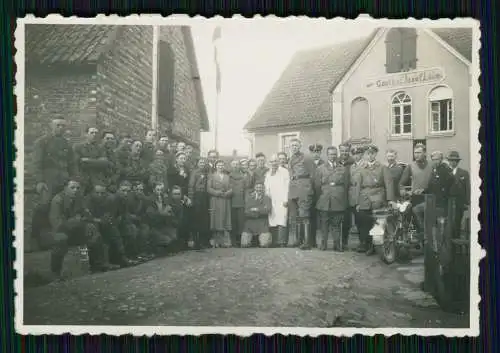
[{"x": 131, "y": 200}]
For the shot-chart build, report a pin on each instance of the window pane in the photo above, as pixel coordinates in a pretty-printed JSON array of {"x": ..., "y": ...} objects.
[
  {"x": 407, "y": 119},
  {"x": 396, "y": 128},
  {"x": 407, "y": 109},
  {"x": 435, "y": 121},
  {"x": 435, "y": 107},
  {"x": 406, "y": 99}
]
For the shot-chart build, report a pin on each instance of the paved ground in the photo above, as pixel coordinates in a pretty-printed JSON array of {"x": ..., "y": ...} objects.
[{"x": 245, "y": 287}]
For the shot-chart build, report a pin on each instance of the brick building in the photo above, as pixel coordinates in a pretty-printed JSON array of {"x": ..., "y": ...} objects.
[
  {"x": 395, "y": 87},
  {"x": 99, "y": 75},
  {"x": 102, "y": 75}
]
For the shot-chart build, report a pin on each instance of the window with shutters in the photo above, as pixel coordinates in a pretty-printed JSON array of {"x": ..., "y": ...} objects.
[
  {"x": 441, "y": 110},
  {"x": 401, "y": 117},
  {"x": 166, "y": 81},
  {"x": 401, "y": 50}
]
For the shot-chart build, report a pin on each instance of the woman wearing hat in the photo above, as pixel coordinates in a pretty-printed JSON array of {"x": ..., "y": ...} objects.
[{"x": 219, "y": 189}]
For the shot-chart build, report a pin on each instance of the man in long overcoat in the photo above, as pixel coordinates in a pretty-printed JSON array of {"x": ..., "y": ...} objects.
[
  {"x": 373, "y": 190},
  {"x": 459, "y": 190},
  {"x": 300, "y": 195},
  {"x": 332, "y": 185},
  {"x": 315, "y": 150}
]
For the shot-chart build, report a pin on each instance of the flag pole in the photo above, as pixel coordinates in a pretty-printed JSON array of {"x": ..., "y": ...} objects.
[
  {"x": 215, "y": 39},
  {"x": 216, "y": 121}
]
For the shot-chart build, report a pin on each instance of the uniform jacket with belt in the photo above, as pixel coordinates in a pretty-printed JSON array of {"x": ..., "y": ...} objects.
[
  {"x": 53, "y": 156},
  {"x": 440, "y": 183},
  {"x": 375, "y": 186},
  {"x": 301, "y": 169},
  {"x": 354, "y": 169},
  {"x": 332, "y": 185}
]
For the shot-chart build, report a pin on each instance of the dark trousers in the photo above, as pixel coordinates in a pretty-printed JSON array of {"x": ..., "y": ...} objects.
[
  {"x": 459, "y": 214},
  {"x": 347, "y": 224},
  {"x": 77, "y": 235},
  {"x": 237, "y": 224},
  {"x": 112, "y": 238},
  {"x": 315, "y": 220},
  {"x": 364, "y": 221},
  {"x": 330, "y": 222}
]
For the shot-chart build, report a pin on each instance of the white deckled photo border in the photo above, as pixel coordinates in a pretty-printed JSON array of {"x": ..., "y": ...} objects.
[{"x": 477, "y": 253}]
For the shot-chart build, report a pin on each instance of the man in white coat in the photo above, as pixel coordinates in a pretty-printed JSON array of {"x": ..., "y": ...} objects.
[{"x": 276, "y": 184}]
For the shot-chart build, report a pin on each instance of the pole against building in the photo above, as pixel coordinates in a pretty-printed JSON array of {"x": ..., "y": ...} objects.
[
  {"x": 215, "y": 38},
  {"x": 154, "y": 96}
]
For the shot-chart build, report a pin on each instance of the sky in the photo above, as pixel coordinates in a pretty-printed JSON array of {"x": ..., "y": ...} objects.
[{"x": 252, "y": 56}]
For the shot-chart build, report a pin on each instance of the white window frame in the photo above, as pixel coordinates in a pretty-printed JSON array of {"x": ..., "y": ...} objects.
[
  {"x": 401, "y": 106},
  {"x": 369, "y": 117},
  {"x": 281, "y": 135},
  {"x": 450, "y": 110}
]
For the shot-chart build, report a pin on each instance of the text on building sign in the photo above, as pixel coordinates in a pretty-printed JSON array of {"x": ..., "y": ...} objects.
[{"x": 415, "y": 78}]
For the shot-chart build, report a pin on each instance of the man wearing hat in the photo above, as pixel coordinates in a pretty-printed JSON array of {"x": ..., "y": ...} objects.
[
  {"x": 354, "y": 163},
  {"x": 301, "y": 169},
  {"x": 373, "y": 190},
  {"x": 459, "y": 190},
  {"x": 315, "y": 150}
]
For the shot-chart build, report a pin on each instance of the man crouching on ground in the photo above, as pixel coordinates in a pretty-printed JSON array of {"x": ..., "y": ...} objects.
[
  {"x": 257, "y": 209},
  {"x": 159, "y": 215},
  {"x": 68, "y": 219},
  {"x": 99, "y": 203}
]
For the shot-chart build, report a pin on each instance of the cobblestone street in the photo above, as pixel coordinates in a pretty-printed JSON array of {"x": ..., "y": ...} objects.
[{"x": 245, "y": 287}]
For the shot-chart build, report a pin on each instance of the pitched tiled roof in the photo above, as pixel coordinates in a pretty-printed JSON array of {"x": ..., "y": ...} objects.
[
  {"x": 459, "y": 38},
  {"x": 52, "y": 43},
  {"x": 302, "y": 93}
]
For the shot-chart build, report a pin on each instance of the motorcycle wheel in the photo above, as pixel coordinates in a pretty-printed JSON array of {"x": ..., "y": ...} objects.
[{"x": 389, "y": 250}]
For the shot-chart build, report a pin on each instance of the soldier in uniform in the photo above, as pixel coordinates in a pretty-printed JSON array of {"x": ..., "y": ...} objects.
[
  {"x": 332, "y": 185},
  {"x": 136, "y": 168},
  {"x": 315, "y": 150},
  {"x": 373, "y": 190},
  {"x": 197, "y": 193},
  {"x": 212, "y": 157},
  {"x": 354, "y": 163},
  {"x": 168, "y": 155},
  {"x": 460, "y": 190},
  {"x": 261, "y": 170},
  {"x": 239, "y": 186},
  {"x": 395, "y": 168},
  {"x": 122, "y": 152},
  {"x": 190, "y": 158},
  {"x": 91, "y": 160},
  {"x": 103, "y": 216},
  {"x": 112, "y": 174},
  {"x": 300, "y": 194},
  {"x": 158, "y": 170},
  {"x": 70, "y": 223},
  {"x": 149, "y": 147},
  {"x": 53, "y": 166}
]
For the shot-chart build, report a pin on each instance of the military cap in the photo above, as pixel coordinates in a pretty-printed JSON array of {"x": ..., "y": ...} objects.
[
  {"x": 316, "y": 147},
  {"x": 371, "y": 148},
  {"x": 453, "y": 156},
  {"x": 180, "y": 153},
  {"x": 243, "y": 160},
  {"x": 357, "y": 149}
]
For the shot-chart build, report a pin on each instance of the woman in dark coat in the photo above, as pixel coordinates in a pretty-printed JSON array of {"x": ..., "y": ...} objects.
[
  {"x": 197, "y": 193},
  {"x": 178, "y": 175},
  {"x": 220, "y": 192}
]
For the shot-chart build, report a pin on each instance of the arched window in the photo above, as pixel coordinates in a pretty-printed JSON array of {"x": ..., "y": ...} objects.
[
  {"x": 401, "y": 50},
  {"x": 441, "y": 109},
  {"x": 359, "y": 126},
  {"x": 401, "y": 119}
]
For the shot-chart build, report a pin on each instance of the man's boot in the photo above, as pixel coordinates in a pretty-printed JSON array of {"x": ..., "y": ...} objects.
[{"x": 306, "y": 242}]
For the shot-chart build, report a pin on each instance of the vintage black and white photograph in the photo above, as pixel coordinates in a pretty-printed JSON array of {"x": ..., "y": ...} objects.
[{"x": 301, "y": 176}]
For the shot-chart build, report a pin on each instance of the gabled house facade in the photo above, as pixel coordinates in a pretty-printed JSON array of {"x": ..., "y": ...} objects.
[{"x": 395, "y": 88}]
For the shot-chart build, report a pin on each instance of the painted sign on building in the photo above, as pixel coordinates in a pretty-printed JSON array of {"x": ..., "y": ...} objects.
[
  {"x": 182, "y": 129},
  {"x": 406, "y": 79}
]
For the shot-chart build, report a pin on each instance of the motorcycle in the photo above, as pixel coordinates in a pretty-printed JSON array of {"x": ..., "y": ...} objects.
[{"x": 394, "y": 233}]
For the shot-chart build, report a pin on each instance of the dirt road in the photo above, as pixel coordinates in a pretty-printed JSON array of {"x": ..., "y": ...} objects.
[{"x": 245, "y": 287}]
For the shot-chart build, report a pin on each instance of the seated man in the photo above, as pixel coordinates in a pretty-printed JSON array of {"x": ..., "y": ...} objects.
[
  {"x": 257, "y": 209},
  {"x": 139, "y": 203},
  {"x": 102, "y": 214},
  {"x": 69, "y": 221},
  {"x": 123, "y": 203},
  {"x": 161, "y": 220}
]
